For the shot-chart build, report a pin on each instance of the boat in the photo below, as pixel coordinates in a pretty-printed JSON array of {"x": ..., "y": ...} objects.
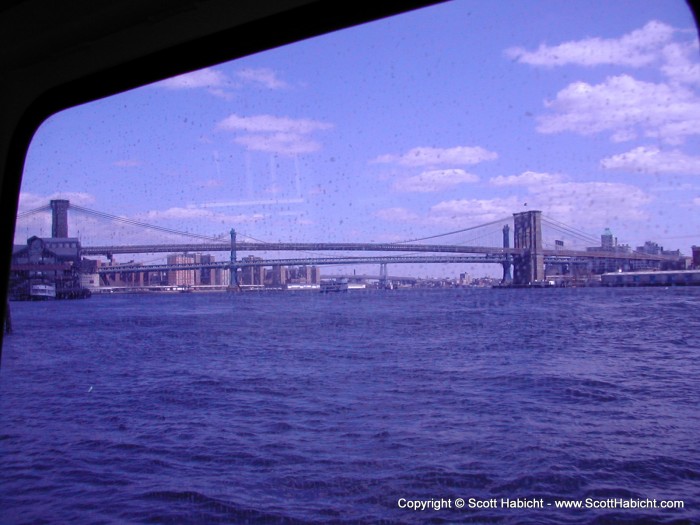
[
  {"x": 334, "y": 285},
  {"x": 42, "y": 292}
]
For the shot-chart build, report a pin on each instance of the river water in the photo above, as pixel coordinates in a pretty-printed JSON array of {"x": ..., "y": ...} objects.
[{"x": 311, "y": 408}]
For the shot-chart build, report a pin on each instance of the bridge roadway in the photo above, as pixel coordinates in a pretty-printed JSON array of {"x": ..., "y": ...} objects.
[
  {"x": 294, "y": 246},
  {"x": 552, "y": 255},
  {"x": 315, "y": 261}
]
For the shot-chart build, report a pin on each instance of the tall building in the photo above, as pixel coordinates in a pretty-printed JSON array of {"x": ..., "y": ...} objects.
[
  {"x": 607, "y": 241},
  {"x": 315, "y": 275},
  {"x": 203, "y": 275},
  {"x": 181, "y": 277},
  {"x": 221, "y": 277},
  {"x": 252, "y": 275},
  {"x": 278, "y": 275}
]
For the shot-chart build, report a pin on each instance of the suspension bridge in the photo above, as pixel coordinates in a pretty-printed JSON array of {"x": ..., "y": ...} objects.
[{"x": 537, "y": 246}]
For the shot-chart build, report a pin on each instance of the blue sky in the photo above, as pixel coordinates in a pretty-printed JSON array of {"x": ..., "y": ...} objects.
[{"x": 428, "y": 122}]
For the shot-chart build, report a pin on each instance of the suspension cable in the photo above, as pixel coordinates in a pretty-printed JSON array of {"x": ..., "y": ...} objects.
[
  {"x": 576, "y": 237},
  {"x": 453, "y": 232},
  {"x": 565, "y": 228},
  {"x": 26, "y": 214},
  {"x": 140, "y": 224}
]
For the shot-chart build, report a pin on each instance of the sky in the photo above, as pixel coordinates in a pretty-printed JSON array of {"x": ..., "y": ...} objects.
[{"x": 428, "y": 122}]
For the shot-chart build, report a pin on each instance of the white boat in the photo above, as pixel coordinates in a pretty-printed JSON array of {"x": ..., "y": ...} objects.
[
  {"x": 334, "y": 285},
  {"x": 40, "y": 292}
]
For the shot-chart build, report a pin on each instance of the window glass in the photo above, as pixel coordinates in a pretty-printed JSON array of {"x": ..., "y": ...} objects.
[{"x": 174, "y": 388}]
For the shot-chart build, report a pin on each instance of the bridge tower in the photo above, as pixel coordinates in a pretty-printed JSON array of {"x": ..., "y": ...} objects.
[
  {"x": 233, "y": 269},
  {"x": 59, "y": 218},
  {"x": 527, "y": 236},
  {"x": 507, "y": 277}
]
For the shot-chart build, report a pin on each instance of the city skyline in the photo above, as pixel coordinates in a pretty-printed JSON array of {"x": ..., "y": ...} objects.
[{"x": 431, "y": 121}]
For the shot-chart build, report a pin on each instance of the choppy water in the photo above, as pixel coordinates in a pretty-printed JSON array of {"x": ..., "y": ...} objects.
[{"x": 300, "y": 407}]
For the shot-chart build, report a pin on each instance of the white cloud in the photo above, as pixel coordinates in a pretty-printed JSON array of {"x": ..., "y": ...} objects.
[
  {"x": 263, "y": 76},
  {"x": 527, "y": 178},
  {"x": 282, "y": 135},
  {"x": 653, "y": 160},
  {"x": 221, "y": 93},
  {"x": 435, "y": 157},
  {"x": 397, "y": 215},
  {"x": 696, "y": 201},
  {"x": 590, "y": 204},
  {"x": 434, "y": 180},
  {"x": 193, "y": 212},
  {"x": 217, "y": 83},
  {"x": 282, "y": 143},
  {"x": 681, "y": 62},
  {"x": 270, "y": 123},
  {"x": 622, "y": 106},
  {"x": 639, "y": 48},
  {"x": 583, "y": 205},
  {"x": 203, "y": 78},
  {"x": 265, "y": 202},
  {"x": 625, "y": 107},
  {"x": 177, "y": 213},
  {"x": 468, "y": 212}
]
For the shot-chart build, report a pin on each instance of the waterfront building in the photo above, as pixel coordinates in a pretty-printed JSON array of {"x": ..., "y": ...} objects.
[
  {"x": 652, "y": 278},
  {"x": 54, "y": 262},
  {"x": 89, "y": 278},
  {"x": 304, "y": 275}
]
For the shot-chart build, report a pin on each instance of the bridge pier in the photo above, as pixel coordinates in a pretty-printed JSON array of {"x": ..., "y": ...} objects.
[
  {"x": 507, "y": 277},
  {"x": 233, "y": 269},
  {"x": 383, "y": 276},
  {"x": 527, "y": 235}
]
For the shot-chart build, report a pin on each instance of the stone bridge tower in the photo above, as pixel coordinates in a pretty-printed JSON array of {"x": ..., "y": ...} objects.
[
  {"x": 527, "y": 236},
  {"x": 59, "y": 218}
]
